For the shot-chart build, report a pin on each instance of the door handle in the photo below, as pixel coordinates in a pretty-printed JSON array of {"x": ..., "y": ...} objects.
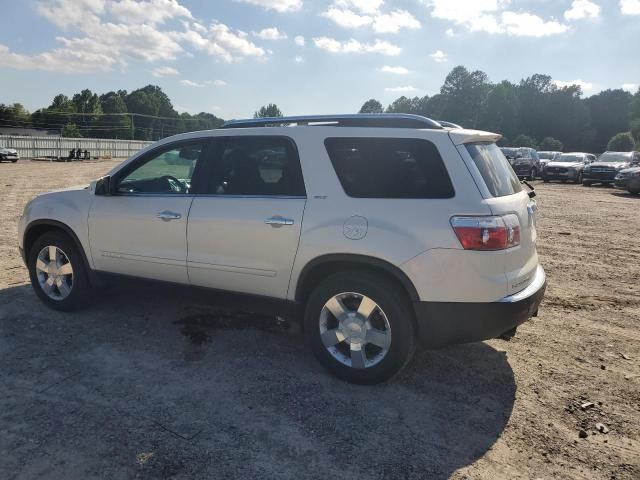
[
  {"x": 168, "y": 215},
  {"x": 278, "y": 221}
]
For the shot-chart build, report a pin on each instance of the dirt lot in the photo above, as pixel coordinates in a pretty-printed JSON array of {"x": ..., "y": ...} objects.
[{"x": 156, "y": 382}]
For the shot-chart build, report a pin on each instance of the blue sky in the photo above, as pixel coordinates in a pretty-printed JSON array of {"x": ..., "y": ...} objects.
[{"x": 229, "y": 57}]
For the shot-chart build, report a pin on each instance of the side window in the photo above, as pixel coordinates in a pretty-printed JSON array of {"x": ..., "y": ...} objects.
[
  {"x": 169, "y": 171},
  {"x": 261, "y": 166},
  {"x": 389, "y": 168}
]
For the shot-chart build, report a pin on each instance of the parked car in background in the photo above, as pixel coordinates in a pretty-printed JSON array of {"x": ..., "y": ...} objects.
[
  {"x": 524, "y": 161},
  {"x": 606, "y": 168},
  {"x": 9, "y": 154},
  {"x": 567, "y": 167},
  {"x": 629, "y": 180},
  {"x": 547, "y": 156},
  {"x": 226, "y": 212}
]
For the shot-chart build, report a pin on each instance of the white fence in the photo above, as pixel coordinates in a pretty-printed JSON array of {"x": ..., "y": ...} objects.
[{"x": 33, "y": 147}]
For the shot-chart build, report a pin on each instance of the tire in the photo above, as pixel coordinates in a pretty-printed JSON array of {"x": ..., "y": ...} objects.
[
  {"x": 533, "y": 173},
  {"x": 14, "y": 161},
  {"x": 545, "y": 180},
  {"x": 392, "y": 320},
  {"x": 579, "y": 179},
  {"x": 564, "y": 180},
  {"x": 77, "y": 289},
  {"x": 586, "y": 184}
]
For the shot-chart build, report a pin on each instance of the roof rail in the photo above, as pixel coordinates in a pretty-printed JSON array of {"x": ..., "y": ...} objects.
[{"x": 380, "y": 120}]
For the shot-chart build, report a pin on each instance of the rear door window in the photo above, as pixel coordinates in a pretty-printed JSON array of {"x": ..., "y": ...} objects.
[
  {"x": 389, "y": 167},
  {"x": 494, "y": 168}
]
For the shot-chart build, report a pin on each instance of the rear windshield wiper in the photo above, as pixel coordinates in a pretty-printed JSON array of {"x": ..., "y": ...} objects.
[{"x": 531, "y": 192}]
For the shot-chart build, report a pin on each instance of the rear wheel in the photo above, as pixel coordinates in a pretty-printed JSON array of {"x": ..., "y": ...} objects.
[
  {"x": 57, "y": 272},
  {"x": 14, "y": 161},
  {"x": 360, "y": 327},
  {"x": 586, "y": 183}
]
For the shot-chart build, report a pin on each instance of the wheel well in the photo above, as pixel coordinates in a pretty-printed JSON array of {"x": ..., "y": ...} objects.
[
  {"x": 39, "y": 228},
  {"x": 319, "y": 269}
]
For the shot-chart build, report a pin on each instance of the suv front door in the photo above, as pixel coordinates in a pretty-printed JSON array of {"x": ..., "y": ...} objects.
[
  {"x": 243, "y": 232},
  {"x": 140, "y": 228}
]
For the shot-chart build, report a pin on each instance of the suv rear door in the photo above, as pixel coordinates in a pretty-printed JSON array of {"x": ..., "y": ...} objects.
[
  {"x": 243, "y": 232},
  {"x": 504, "y": 195}
]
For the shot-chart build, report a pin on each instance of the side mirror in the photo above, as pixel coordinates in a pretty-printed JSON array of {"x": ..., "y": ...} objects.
[{"x": 103, "y": 186}]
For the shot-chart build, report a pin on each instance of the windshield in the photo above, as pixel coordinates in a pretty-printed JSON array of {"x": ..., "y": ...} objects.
[
  {"x": 615, "y": 157},
  {"x": 509, "y": 152},
  {"x": 570, "y": 158},
  {"x": 547, "y": 155},
  {"x": 496, "y": 172}
]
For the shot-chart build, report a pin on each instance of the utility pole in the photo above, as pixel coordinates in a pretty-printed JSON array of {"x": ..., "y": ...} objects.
[{"x": 133, "y": 130}]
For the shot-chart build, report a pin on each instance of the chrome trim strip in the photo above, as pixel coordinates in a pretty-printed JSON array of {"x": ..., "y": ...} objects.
[
  {"x": 538, "y": 282},
  {"x": 232, "y": 269}
]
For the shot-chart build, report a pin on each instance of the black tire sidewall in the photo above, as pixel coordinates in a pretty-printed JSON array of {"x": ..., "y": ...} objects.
[
  {"x": 395, "y": 306},
  {"x": 80, "y": 289}
]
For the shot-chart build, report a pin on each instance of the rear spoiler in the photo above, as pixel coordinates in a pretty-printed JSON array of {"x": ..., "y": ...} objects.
[{"x": 460, "y": 137}]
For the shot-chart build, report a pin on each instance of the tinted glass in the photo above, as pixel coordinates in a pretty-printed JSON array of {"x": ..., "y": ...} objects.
[
  {"x": 615, "y": 157},
  {"x": 389, "y": 168},
  {"x": 547, "y": 155},
  {"x": 496, "y": 172},
  {"x": 570, "y": 158},
  {"x": 257, "y": 166},
  {"x": 170, "y": 171}
]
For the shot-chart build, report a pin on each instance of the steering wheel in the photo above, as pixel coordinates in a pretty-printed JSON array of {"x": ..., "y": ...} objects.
[{"x": 174, "y": 184}]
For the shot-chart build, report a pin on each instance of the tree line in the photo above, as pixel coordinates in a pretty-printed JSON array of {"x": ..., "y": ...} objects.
[{"x": 534, "y": 112}]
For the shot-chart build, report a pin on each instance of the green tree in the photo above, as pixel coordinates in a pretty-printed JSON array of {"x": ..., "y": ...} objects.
[
  {"x": 415, "y": 105},
  {"x": 524, "y": 141},
  {"x": 609, "y": 111},
  {"x": 621, "y": 142},
  {"x": 268, "y": 111},
  {"x": 372, "y": 106},
  {"x": 70, "y": 130},
  {"x": 502, "y": 109},
  {"x": 14, "y": 116},
  {"x": 465, "y": 93},
  {"x": 551, "y": 144}
]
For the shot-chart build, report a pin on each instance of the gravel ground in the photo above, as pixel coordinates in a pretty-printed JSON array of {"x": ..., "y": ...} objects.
[{"x": 158, "y": 382}]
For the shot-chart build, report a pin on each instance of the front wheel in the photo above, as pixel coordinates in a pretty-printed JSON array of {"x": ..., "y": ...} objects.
[
  {"x": 360, "y": 327},
  {"x": 57, "y": 272},
  {"x": 586, "y": 183},
  {"x": 579, "y": 179}
]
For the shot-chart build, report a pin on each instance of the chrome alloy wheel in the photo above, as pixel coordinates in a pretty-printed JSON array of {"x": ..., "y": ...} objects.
[
  {"x": 55, "y": 273},
  {"x": 355, "y": 330}
]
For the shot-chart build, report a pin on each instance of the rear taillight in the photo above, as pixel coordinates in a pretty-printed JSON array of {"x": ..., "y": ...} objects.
[{"x": 487, "y": 233}]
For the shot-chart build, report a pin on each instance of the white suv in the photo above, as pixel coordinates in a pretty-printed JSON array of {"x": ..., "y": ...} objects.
[{"x": 388, "y": 231}]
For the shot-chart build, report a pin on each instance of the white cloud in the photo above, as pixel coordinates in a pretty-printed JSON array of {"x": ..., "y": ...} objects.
[
  {"x": 582, "y": 9},
  {"x": 270, "y": 34},
  {"x": 189, "y": 83},
  {"x": 394, "y": 21},
  {"x": 298, "y": 59},
  {"x": 347, "y": 18},
  {"x": 277, "y": 5},
  {"x": 332, "y": 45},
  {"x": 222, "y": 42},
  {"x": 100, "y": 34},
  {"x": 394, "y": 70},
  {"x": 528, "y": 25},
  {"x": 631, "y": 87},
  {"x": 217, "y": 83},
  {"x": 152, "y": 11},
  {"x": 630, "y": 7},
  {"x": 449, "y": 32},
  {"x": 299, "y": 40},
  {"x": 60, "y": 60},
  {"x": 439, "y": 56},
  {"x": 369, "y": 14},
  {"x": 364, "y": 6},
  {"x": 585, "y": 86},
  {"x": 491, "y": 16},
  {"x": 164, "y": 72},
  {"x": 405, "y": 89}
]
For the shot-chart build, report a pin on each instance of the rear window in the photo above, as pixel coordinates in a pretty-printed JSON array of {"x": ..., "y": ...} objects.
[
  {"x": 389, "y": 168},
  {"x": 496, "y": 172}
]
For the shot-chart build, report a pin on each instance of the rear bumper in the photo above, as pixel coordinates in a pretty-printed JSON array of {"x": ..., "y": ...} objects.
[{"x": 446, "y": 323}]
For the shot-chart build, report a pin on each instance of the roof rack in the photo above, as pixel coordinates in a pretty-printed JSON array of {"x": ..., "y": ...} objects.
[{"x": 380, "y": 120}]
